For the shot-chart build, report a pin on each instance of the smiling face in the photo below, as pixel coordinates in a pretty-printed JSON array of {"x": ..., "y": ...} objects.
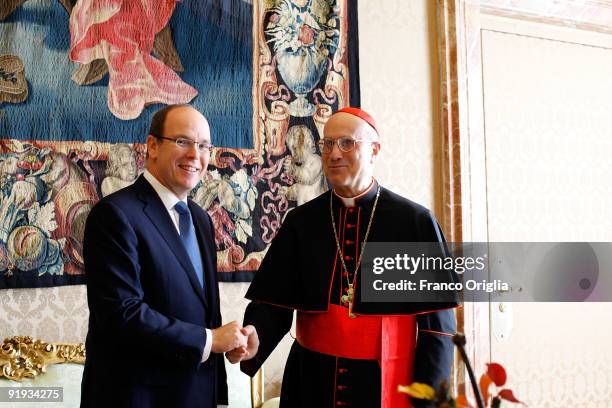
[
  {"x": 179, "y": 169},
  {"x": 350, "y": 173}
]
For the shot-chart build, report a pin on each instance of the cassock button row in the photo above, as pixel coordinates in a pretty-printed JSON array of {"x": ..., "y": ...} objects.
[
  {"x": 350, "y": 225},
  {"x": 345, "y": 274},
  {"x": 342, "y": 387},
  {"x": 351, "y": 209},
  {"x": 348, "y": 258},
  {"x": 342, "y": 370},
  {"x": 349, "y": 242}
]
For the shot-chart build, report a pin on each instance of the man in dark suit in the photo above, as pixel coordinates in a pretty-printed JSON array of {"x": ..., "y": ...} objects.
[{"x": 155, "y": 337}]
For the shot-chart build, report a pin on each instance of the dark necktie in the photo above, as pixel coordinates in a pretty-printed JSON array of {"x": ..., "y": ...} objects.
[{"x": 188, "y": 237}]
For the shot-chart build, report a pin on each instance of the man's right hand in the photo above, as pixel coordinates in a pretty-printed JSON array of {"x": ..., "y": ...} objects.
[
  {"x": 245, "y": 353},
  {"x": 228, "y": 337}
]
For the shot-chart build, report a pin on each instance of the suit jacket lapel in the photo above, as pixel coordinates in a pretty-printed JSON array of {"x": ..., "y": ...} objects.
[{"x": 157, "y": 213}]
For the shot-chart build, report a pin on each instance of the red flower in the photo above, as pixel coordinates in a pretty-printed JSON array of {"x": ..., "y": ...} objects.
[
  {"x": 22, "y": 164},
  {"x": 306, "y": 35}
]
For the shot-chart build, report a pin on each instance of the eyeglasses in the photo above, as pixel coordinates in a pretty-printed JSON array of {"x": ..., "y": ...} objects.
[
  {"x": 345, "y": 144},
  {"x": 184, "y": 143}
]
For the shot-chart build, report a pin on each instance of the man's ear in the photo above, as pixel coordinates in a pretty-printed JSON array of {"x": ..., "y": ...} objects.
[
  {"x": 152, "y": 146},
  {"x": 375, "y": 150}
]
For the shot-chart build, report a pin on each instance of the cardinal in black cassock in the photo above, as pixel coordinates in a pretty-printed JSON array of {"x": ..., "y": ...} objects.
[{"x": 347, "y": 353}]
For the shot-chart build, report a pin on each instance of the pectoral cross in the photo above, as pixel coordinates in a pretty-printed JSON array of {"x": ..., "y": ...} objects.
[{"x": 348, "y": 298}]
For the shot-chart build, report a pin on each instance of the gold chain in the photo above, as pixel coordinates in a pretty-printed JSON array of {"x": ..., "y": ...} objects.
[{"x": 365, "y": 238}]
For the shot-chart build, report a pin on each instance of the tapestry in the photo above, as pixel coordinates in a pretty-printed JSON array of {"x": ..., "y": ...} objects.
[{"x": 80, "y": 80}]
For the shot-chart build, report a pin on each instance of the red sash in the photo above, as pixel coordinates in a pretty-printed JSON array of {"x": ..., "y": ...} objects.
[{"x": 390, "y": 340}]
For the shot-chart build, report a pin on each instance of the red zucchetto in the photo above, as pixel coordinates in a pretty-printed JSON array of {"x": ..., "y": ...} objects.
[{"x": 360, "y": 113}]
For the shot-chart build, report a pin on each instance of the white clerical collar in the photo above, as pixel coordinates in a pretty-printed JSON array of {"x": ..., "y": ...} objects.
[
  {"x": 352, "y": 201},
  {"x": 168, "y": 197}
]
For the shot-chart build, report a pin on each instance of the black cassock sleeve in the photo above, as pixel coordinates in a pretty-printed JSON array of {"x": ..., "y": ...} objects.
[
  {"x": 274, "y": 284},
  {"x": 271, "y": 323},
  {"x": 434, "y": 350}
]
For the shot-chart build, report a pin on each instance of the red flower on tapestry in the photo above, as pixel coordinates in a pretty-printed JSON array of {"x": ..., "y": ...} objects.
[{"x": 306, "y": 35}]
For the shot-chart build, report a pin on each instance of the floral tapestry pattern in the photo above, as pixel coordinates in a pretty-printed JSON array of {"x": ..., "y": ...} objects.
[{"x": 302, "y": 68}]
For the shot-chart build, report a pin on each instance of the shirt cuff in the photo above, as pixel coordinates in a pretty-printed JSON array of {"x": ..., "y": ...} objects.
[{"x": 207, "y": 345}]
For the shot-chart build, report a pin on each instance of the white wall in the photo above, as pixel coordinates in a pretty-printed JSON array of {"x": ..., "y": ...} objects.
[{"x": 547, "y": 128}]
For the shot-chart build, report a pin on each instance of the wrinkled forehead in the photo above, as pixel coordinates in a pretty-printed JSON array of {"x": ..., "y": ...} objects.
[{"x": 343, "y": 124}]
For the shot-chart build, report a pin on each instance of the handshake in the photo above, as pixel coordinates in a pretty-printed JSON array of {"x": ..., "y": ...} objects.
[{"x": 238, "y": 343}]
